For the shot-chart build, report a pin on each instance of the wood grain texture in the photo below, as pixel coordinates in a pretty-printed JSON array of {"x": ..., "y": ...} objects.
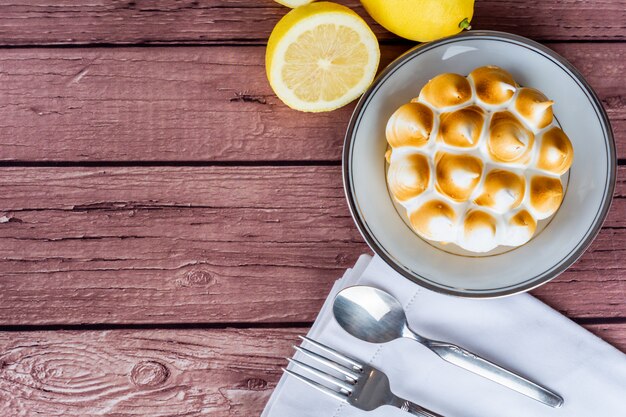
[
  {"x": 196, "y": 245},
  {"x": 53, "y": 22},
  {"x": 186, "y": 244},
  {"x": 153, "y": 373},
  {"x": 209, "y": 104},
  {"x": 221, "y": 373},
  {"x": 244, "y": 244}
]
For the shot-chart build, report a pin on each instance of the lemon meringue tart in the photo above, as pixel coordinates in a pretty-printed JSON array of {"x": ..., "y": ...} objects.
[{"x": 477, "y": 161}]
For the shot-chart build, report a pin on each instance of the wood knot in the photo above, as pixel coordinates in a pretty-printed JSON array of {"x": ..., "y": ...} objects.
[
  {"x": 43, "y": 372},
  {"x": 256, "y": 384},
  {"x": 196, "y": 278},
  {"x": 341, "y": 259},
  {"x": 148, "y": 374}
]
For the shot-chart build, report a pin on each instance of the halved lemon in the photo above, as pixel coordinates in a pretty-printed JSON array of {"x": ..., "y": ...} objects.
[{"x": 320, "y": 57}]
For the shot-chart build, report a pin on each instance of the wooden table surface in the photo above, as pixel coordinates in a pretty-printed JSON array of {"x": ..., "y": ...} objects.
[{"x": 168, "y": 226}]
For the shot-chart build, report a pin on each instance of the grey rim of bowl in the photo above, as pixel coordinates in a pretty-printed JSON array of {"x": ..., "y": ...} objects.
[{"x": 560, "y": 266}]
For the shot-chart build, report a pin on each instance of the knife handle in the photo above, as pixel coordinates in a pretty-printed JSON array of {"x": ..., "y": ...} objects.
[{"x": 474, "y": 363}]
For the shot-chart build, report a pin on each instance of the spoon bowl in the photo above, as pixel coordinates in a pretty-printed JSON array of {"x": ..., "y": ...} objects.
[{"x": 370, "y": 314}]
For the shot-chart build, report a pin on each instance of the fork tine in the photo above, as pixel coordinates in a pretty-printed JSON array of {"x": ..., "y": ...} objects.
[
  {"x": 317, "y": 386},
  {"x": 348, "y": 373},
  {"x": 353, "y": 362},
  {"x": 344, "y": 386}
]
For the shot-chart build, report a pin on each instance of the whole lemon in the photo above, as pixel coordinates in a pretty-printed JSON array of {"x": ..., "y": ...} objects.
[{"x": 421, "y": 20}]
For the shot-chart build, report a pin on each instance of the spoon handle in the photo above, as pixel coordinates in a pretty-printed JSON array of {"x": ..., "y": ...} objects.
[{"x": 474, "y": 363}]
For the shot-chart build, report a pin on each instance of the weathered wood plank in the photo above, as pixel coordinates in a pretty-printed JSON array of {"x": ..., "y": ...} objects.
[
  {"x": 226, "y": 21},
  {"x": 154, "y": 104},
  {"x": 172, "y": 245},
  {"x": 216, "y": 239},
  {"x": 222, "y": 373},
  {"x": 615, "y": 333},
  {"x": 141, "y": 372},
  {"x": 180, "y": 104}
]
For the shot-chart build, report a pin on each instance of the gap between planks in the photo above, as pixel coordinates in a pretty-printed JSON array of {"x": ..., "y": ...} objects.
[
  {"x": 582, "y": 321},
  {"x": 158, "y": 164},
  {"x": 383, "y": 43}
]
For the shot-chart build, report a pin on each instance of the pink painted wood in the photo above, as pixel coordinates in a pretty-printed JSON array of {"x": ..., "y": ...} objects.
[
  {"x": 230, "y": 22},
  {"x": 188, "y": 195},
  {"x": 156, "y": 373},
  {"x": 178, "y": 244},
  {"x": 171, "y": 104}
]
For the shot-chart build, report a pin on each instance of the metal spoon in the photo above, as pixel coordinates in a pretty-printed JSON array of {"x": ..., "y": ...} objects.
[{"x": 376, "y": 316}]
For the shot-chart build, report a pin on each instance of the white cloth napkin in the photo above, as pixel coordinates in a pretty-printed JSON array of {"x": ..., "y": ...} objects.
[{"x": 518, "y": 332}]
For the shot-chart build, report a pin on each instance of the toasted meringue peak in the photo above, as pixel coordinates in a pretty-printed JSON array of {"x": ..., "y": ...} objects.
[
  {"x": 410, "y": 125},
  {"x": 479, "y": 232},
  {"x": 521, "y": 228},
  {"x": 457, "y": 175},
  {"x": 493, "y": 84},
  {"x": 555, "y": 152},
  {"x": 446, "y": 90},
  {"x": 408, "y": 176},
  {"x": 546, "y": 195},
  {"x": 435, "y": 220},
  {"x": 509, "y": 141},
  {"x": 463, "y": 127},
  {"x": 534, "y": 107},
  {"x": 502, "y": 191}
]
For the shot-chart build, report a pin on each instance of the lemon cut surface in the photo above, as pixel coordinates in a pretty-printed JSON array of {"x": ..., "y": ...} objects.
[{"x": 321, "y": 57}]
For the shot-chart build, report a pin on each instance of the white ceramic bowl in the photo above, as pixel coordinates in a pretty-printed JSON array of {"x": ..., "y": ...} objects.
[{"x": 550, "y": 252}]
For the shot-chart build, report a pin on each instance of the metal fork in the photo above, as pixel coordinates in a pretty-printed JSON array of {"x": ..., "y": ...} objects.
[{"x": 359, "y": 385}]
